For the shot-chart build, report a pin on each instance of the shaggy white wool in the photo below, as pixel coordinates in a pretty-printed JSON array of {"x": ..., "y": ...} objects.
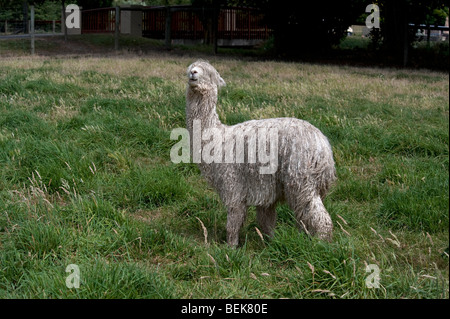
[{"x": 304, "y": 173}]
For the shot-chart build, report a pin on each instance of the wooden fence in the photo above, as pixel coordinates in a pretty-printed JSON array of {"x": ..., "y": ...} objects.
[
  {"x": 242, "y": 23},
  {"x": 185, "y": 22},
  {"x": 98, "y": 20},
  {"x": 154, "y": 23}
]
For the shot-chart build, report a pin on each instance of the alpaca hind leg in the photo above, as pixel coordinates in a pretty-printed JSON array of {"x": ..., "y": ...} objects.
[
  {"x": 235, "y": 220},
  {"x": 266, "y": 218},
  {"x": 314, "y": 218}
]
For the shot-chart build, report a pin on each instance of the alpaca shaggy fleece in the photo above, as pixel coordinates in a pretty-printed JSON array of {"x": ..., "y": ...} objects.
[{"x": 302, "y": 176}]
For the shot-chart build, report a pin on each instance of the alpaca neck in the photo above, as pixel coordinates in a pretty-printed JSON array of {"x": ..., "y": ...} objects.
[{"x": 201, "y": 105}]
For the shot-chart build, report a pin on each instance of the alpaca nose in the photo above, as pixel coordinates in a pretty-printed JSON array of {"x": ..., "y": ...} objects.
[{"x": 193, "y": 75}]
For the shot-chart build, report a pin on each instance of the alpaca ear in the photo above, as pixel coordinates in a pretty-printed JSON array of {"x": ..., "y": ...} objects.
[{"x": 221, "y": 82}]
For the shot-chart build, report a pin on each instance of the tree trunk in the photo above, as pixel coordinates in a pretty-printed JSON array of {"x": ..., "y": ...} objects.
[
  {"x": 395, "y": 31},
  {"x": 25, "y": 16},
  {"x": 63, "y": 23}
]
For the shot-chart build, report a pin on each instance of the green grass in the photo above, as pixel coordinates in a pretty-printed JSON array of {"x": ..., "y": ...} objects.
[
  {"x": 86, "y": 179},
  {"x": 354, "y": 42}
]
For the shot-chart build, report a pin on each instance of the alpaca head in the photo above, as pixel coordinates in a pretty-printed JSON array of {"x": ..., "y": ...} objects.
[{"x": 203, "y": 75}]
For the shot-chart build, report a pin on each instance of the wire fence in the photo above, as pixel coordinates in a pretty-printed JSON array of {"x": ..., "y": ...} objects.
[{"x": 12, "y": 27}]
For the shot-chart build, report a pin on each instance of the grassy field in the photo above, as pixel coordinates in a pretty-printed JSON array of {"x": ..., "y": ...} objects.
[{"x": 86, "y": 179}]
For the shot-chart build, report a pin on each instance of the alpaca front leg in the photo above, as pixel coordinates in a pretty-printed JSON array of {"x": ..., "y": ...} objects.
[{"x": 235, "y": 220}]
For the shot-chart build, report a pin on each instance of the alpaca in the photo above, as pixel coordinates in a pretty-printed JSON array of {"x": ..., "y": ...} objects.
[{"x": 304, "y": 168}]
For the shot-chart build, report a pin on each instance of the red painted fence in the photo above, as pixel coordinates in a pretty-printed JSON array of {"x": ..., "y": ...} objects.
[
  {"x": 242, "y": 23},
  {"x": 154, "y": 23},
  {"x": 186, "y": 23},
  {"x": 98, "y": 20}
]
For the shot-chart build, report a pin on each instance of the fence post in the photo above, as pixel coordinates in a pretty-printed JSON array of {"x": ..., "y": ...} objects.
[
  {"x": 116, "y": 29},
  {"x": 168, "y": 36},
  {"x": 32, "y": 29},
  {"x": 6, "y": 26}
]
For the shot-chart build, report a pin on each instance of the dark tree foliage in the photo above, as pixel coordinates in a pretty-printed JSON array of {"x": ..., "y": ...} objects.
[
  {"x": 92, "y": 4},
  {"x": 311, "y": 28},
  {"x": 315, "y": 26},
  {"x": 397, "y": 37},
  {"x": 307, "y": 27}
]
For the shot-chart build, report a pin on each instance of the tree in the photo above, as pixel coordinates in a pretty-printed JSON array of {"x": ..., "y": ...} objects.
[
  {"x": 19, "y": 10},
  {"x": 314, "y": 28},
  {"x": 307, "y": 28},
  {"x": 93, "y": 4},
  {"x": 25, "y": 16},
  {"x": 10, "y": 10},
  {"x": 48, "y": 10},
  {"x": 209, "y": 16},
  {"x": 397, "y": 15}
]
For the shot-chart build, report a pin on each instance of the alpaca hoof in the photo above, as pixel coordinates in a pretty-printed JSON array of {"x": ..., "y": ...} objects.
[{"x": 326, "y": 237}]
